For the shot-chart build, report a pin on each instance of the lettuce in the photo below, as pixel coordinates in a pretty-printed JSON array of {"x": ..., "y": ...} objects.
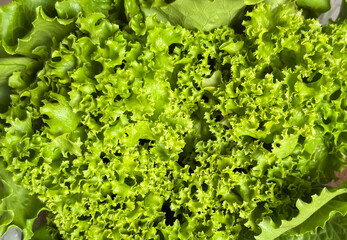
[
  {"x": 18, "y": 208},
  {"x": 310, "y": 217},
  {"x": 207, "y": 15},
  {"x": 28, "y": 32},
  {"x": 316, "y": 6},
  {"x": 200, "y": 14},
  {"x": 128, "y": 120},
  {"x": 335, "y": 228}
]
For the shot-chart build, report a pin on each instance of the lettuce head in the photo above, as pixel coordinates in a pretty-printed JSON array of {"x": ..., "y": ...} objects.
[{"x": 146, "y": 120}]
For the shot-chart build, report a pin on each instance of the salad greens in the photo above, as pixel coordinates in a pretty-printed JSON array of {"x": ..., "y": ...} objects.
[
  {"x": 335, "y": 228},
  {"x": 311, "y": 216},
  {"x": 139, "y": 119},
  {"x": 17, "y": 207}
]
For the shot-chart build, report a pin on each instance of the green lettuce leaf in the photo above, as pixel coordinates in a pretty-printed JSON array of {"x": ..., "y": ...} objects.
[
  {"x": 316, "y": 7},
  {"x": 17, "y": 16},
  {"x": 8, "y": 66},
  {"x": 343, "y": 11},
  {"x": 198, "y": 14},
  {"x": 206, "y": 15},
  {"x": 153, "y": 130},
  {"x": 18, "y": 208},
  {"x": 37, "y": 42},
  {"x": 29, "y": 29},
  {"x": 311, "y": 215},
  {"x": 335, "y": 228}
]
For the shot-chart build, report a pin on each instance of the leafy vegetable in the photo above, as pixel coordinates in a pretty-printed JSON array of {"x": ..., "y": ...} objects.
[
  {"x": 17, "y": 207},
  {"x": 16, "y": 18},
  {"x": 317, "y": 6},
  {"x": 310, "y": 217},
  {"x": 206, "y": 15},
  {"x": 25, "y": 41},
  {"x": 335, "y": 228},
  {"x": 198, "y": 14},
  {"x": 343, "y": 11},
  {"x": 126, "y": 124}
]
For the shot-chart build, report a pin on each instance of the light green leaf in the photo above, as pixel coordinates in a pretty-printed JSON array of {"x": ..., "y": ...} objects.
[
  {"x": 335, "y": 228},
  {"x": 318, "y": 6},
  {"x": 311, "y": 215},
  {"x": 44, "y": 33},
  {"x": 18, "y": 208},
  {"x": 198, "y": 14},
  {"x": 8, "y": 66}
]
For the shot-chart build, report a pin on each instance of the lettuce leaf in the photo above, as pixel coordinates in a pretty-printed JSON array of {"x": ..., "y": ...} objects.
[
  {"x": 28, "y": 28},
  {"x": 335, "y": 228},
  {"x": 8, "y": 66},
  {"x": 316, "y": 6},
  {"x": 125, "y": 126},
  {"x": 206, "y": 15},
  {"x": 18, "y": 208},
  {"x": 199, "y": 14},
  {"x": 343, "y": 11},
  {"x": 311, "y": 215}
]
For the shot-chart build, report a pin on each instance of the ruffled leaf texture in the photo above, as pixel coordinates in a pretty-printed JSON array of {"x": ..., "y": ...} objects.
[
  {"x": 311, "y": 217},
  {"x": 335, "y": 228},
  {"x": 206, "y": 15},
  {"x": 179, "y": 134},
  {"x": 28, "y": 30},
  {"x": 18, "y": 208},
  {"x": 199, "y": 14}
]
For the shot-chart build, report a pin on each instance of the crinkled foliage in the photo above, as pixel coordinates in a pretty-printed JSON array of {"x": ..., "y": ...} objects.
[
  {"x": 312, "y": 216},
  {"x": 20, "y": 209},
  {"x": 174, "y": 134},
  {"x": 335, "y": 228}
]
